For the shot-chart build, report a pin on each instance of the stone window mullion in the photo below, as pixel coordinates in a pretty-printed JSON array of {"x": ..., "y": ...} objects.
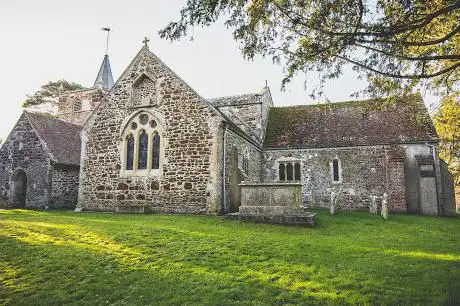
[
  {"x": 136, "y": 151},
  {"x": 124, "y": 153},
  {"x": 150, "y": 151},
  {"x": 285, "y": 171}
]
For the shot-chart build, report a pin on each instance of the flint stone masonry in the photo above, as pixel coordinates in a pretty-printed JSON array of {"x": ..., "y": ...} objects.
[
  {"x": 43, "y": 148},
  {"x": 235, "y": 147},
  {"x": 89, "y": 99},
  {"x": 23, "y": 150},
  {"x": 222, "y": 155},
  {"x": 64, "y": 191},
  {"x": 189, "y": 181},
  {"x": 249, "y": 112},
  {"x": 363, "y": 174}
]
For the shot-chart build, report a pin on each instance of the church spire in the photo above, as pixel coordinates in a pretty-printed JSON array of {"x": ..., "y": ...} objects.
[{"x": 104, "y": 78}]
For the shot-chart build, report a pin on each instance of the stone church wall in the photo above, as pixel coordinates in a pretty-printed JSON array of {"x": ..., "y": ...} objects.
[
  {"x": 189, "y": 179},
  {"x": 235, "y": 149},
  {"x": 64, "y": 188},
  {"x": 251, "y": 115},
  {"x": 363, "y": 173},
  {"x": 23, "y": 150},
  {"x": 76, "y": 106},
  {"x": 246, "y": 116}
]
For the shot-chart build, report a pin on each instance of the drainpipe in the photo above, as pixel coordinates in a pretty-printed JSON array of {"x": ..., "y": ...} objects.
[{"x": 223, "y": 207}]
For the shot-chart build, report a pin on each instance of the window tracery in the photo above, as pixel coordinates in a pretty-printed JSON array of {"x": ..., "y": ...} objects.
[{"x": 142, "y": 147}]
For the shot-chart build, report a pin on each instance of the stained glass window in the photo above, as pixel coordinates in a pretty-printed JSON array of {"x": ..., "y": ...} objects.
[
  {"x": 156, "y": 151},
  {"x": 143, "y": 150},
  {"x": 143, "y": 119},
  {"x": 130, "y": 152}
]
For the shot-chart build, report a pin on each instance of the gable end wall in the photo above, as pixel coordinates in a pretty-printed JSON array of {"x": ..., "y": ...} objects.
[
  {"x": 190, "y": 178},
  {"x": 24, "y": 150}
]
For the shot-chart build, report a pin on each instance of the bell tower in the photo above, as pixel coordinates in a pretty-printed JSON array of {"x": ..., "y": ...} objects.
[{"x": 76, "y": 106}]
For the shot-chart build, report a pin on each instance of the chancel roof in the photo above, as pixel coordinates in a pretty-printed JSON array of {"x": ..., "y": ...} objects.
[
  {"x": 354, "y": 123},
  {"x": 61, "y": 139}
]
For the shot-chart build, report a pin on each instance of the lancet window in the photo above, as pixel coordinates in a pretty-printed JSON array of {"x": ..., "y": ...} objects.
[
  {"x": 289, "y": 171},
  {"x": 336, "y": 170}
]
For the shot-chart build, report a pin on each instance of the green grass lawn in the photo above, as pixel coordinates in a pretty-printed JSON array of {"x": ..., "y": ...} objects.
[{"x": 60, "y": 257}]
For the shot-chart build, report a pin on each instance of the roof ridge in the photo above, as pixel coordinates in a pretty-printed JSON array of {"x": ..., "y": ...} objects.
[
  {"x": 50, "y": 118},
  {"x": 234, "y": 96},
  {"x": 349, "y": 102}
]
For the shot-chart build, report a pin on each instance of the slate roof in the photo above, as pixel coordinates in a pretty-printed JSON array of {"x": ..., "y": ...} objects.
[
  {"x": 104, "y": 78},
  {"x": 353, "y": 123},
  {"x": 62, "y": 139}
]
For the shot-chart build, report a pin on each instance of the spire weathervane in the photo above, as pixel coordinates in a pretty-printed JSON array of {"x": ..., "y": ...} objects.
[
  {"x": 107, "y": 29},
  {"x": 146, "y": 41}
]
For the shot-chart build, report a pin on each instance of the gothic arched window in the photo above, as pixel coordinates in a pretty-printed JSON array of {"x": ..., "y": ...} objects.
[
  {"x": 141, "y": 148},
  {"x": 245, "y": 164},
  {"x": 130, "y": 152},
  {"x": 77, "y": 106},
  {"x": 156, "y": 151}
]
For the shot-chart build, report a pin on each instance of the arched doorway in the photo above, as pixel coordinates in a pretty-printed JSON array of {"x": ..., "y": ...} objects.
[{"x": 19, "y": 189}]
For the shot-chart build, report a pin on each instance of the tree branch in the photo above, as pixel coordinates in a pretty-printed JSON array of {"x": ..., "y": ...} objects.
[
  {"x": 416, "y": 58},
  {"x": 400, "y": 76}
]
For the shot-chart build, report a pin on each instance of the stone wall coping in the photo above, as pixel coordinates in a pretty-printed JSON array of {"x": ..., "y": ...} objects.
[{"x": 269, "y": 184}]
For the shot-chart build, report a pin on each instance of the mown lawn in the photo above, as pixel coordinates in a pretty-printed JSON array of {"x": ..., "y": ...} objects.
[{"x": 55, "y": 258}]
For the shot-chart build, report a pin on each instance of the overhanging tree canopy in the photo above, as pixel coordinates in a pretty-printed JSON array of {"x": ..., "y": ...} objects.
[
  {"x": 397, "y": 44},
  {"x": 49, "y": 92}
]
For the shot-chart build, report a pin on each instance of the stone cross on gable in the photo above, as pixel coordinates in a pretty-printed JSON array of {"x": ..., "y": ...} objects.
[{"x": 146, "y": 41}]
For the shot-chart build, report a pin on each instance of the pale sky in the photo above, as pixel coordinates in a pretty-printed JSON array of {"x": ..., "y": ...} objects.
[{"x": 59, "y": 39}]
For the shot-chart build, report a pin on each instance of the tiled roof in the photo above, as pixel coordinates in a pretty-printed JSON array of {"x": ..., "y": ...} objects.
[
  {"x": 353, "y": 123},
  {"x": 62, "y": 139}
]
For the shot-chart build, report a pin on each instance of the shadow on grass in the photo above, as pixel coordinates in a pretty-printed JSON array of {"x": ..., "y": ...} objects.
[{"x": 177, "y": 259}]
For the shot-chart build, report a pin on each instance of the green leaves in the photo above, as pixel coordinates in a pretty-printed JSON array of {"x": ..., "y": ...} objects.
[
  {"x": 397, "y": 45},
  {"x": 49, "y": 92},
  {"x": 447, "y": 123}
]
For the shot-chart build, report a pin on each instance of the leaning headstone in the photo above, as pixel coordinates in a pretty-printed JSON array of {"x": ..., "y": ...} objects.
[
  {"x": 373, "y": 205},
  {"x": 384, "y": 211}
]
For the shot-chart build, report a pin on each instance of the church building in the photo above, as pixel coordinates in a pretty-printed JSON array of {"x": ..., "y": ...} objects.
[{"x": 150, "y": 143}]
